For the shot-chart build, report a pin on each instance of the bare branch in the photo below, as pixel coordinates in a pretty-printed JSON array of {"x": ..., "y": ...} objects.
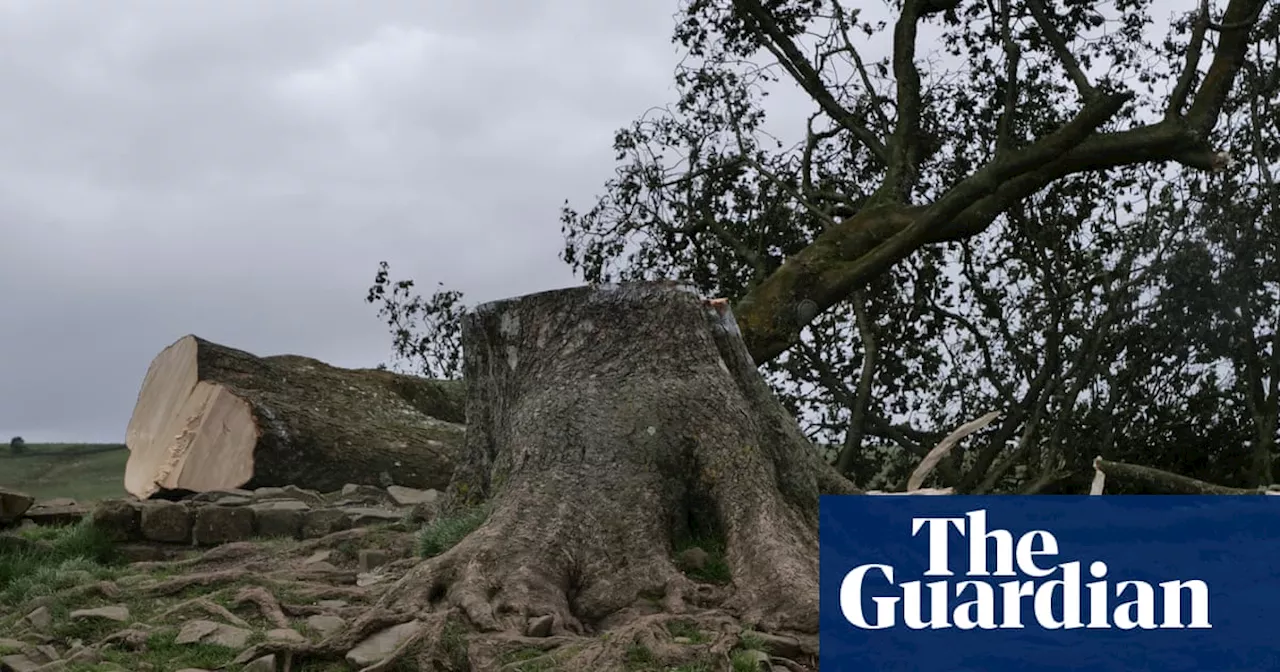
[
  {"x": 1195, "y": 44},
  {"x": 1228, "y": 58},
  {"x": 904, "y": 143},
  {"x": 1234, "y": 25},
  {"x": 861, "y": 67},
  {"x": 1049, "y": 381},
  {"x": 862, "y": 399},
  {"x": 732, "y": 162},
  {"x": 791, "y": 191},
  {"x": 795, "y": 63},
  {"x": 1013, "y": 58},
  {"x": 1060, "y": 48},
  {"x": 907, "y": 438}
]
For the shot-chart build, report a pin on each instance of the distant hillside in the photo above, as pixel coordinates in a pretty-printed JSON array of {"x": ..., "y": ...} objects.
[{"x": 82, "y": 471}]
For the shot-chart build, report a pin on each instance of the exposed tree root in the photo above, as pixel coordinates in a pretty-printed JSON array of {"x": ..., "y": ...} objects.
[
  {"x": 607, "y": 428},
  {"x": 322, "y": 574},
  {"x": 178, "y": 584},
  {"x": 106, "y": 589},
  {"x": 334, "y": 539},
  {"x": 335, "y": 646},
  {"x": 132, "y": 639},
  {"x": 526, "y": 564},
  {"x": 316, "y": 591},
  {"x": 297, "y": 610},
  {"x": 230, "y": 552},
  {"x": 653, "y": 641},
  {"x": 266, "y": 603},
  {"x": 207, "y": 605}
]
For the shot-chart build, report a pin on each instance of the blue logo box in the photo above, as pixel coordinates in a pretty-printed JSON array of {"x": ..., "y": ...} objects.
[{"x": 987, "y": 584}]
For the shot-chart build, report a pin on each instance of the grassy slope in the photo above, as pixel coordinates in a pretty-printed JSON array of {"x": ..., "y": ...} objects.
[{"x": 54, "y": 470}]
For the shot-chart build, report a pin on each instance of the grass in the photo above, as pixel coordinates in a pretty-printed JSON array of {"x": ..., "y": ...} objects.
[
  {"x": 445, "y": 532},
  {"x": 49, "y": 470},
  {"x": 744, "y": 661},
  {"x": 716, "y": 569},
  {"x": 453, "y": 642},
  {"x": 528, "y": 659},
  {"x": 638, "y": 657},
  {"x": 751, "y": 641},
  {"x": 688, "y": 630},
  {"x": 161, "y": 653},
  {"x": 44, "y": 560}
]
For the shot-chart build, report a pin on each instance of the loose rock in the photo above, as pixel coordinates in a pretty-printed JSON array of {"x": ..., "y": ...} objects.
[
  {"x": 209, "y": 632},
  {"x": 379, "y": 646},
  {"x": 118, "y": 612}
]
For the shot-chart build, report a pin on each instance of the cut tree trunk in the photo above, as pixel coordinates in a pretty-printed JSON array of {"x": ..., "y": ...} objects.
[
  {"x": 210, "y": 417},
  {"x": 609, "y": 428}
]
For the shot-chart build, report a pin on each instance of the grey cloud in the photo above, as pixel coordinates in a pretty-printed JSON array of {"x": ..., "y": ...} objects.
[{"x": 237, "y": 168}]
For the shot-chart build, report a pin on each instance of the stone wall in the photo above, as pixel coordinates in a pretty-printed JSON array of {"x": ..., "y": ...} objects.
[{"x": 212, "y": 518}]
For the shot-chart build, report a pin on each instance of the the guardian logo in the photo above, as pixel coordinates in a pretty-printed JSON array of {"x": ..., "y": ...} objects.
[{"x": 1030, "y": 592}]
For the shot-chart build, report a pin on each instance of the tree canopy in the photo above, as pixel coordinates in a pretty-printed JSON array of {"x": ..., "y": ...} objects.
[{"x": 1062, "y": 211}]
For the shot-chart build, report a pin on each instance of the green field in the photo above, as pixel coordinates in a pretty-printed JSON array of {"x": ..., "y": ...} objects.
[{"x": 84, "y": 472}]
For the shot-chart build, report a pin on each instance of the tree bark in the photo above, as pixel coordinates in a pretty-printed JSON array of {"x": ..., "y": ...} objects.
[
  {"x": 210, "y": 417},
  {"x": 609, "y": 427},
  {"x": 1157, "y": 481}
]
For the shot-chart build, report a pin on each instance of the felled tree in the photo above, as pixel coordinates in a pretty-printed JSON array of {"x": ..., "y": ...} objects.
[{"x": 210, "y": 417}]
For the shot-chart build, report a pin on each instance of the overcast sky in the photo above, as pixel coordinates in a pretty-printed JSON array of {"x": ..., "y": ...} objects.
[{"x": 237, "y": 169}]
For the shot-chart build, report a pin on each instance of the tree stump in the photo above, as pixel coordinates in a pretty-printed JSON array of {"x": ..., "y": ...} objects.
[{"x": 607, "y": 428}]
